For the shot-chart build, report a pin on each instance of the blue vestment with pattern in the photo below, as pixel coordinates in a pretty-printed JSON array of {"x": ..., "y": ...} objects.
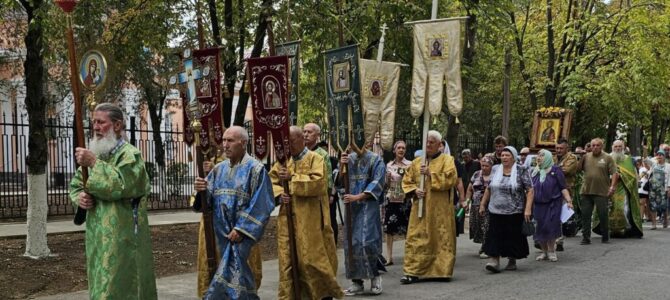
[
  {"x": 242, "y": 199},
  {"x": 366, "y": 175}
]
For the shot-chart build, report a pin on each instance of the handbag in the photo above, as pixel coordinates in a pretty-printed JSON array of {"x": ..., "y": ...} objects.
[{"x": 528, "y": 228}]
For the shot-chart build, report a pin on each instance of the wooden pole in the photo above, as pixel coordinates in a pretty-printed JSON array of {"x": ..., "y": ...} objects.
[
  {"x": 80, "y": 215},
  {"x": 204, "y": 197},
  {"x": 293, "y": 247},
  {"x": 426, "y": 126},
  {"x": 507, "y": 73}
]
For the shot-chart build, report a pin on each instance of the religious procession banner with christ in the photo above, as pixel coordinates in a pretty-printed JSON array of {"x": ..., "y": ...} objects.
[
  {"x": 292, "y": 50},
  {"x": 269, "y": 99},
  {"x": 343, "y": 92},
  {"x": 437, "y": 57},
  {"x": 200, "y": 86},
  {"x": 380, "y": 90}
]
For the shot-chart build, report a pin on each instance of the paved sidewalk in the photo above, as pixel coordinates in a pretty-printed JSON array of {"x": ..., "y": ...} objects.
[
  {"x": 63, "y": 226},
  {"x": 182, "y": 287}
]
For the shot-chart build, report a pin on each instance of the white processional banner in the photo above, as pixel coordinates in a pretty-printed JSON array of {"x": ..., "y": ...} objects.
[{"x": 379, "y": 89}]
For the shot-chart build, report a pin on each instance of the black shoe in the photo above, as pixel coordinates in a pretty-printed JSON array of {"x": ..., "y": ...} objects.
[
  {"x": 559, "y": 247},
  {"x": 585, "y": 241},
  {"x": 605, "y": 241},
  {"x": 408, "y": 279},
  {"x": 537, "y": 245}
]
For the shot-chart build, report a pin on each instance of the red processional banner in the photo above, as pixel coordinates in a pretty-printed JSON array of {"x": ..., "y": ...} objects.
[
  {"x": 200, "y": 84},
  {"x": 269, "y": 98}
]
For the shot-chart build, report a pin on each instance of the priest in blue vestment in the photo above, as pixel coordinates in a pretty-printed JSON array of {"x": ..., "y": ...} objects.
[
  {"x": 242, "y": 200},
  {"x": 366, "y": 173}
]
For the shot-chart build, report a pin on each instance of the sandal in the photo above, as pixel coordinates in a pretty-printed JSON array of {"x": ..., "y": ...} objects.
[
  {"x": 541, "y": 257},
  {"x": 407, "y": 279},
  {"x": 389, "y": 263}
]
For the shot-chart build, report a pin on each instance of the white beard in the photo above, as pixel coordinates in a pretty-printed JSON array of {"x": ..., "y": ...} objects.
[
  {"x": 618, "y": 156},
  {"x": 102, "y": 147}
]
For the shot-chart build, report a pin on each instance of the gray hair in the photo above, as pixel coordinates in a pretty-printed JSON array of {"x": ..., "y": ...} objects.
[
  {"x": 113, "y": 111},
  {"x": 435, "y": 134},
  {"x": 316, "y": 127}
]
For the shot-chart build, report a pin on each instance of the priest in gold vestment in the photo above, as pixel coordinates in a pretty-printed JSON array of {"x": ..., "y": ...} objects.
[
  {"x": 308, "y": 195},
  {"x": 430, "y": 247}
]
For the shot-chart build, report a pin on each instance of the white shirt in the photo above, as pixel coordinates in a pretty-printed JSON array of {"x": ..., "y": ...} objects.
[{"x": 643, "y": 179}]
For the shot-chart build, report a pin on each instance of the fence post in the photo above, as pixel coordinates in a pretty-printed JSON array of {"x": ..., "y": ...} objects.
[{"x": 133, "y": 140}]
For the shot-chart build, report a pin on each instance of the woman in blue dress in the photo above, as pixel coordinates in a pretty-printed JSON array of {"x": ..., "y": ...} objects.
[{"x": 549, "y": 192}]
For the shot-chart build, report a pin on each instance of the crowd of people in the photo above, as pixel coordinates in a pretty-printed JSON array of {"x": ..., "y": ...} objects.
[{"x": 510, "y": 196}]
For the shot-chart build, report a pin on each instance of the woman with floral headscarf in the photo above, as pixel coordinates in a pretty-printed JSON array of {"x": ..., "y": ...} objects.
[
  {"x": 478, "y": 183},
  {"x": 549, "y": 190},
  {"x": 509, "y": 198}
]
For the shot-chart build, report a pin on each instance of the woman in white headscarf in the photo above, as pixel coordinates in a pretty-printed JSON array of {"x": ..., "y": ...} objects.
[{"x": 509, "y": 198}]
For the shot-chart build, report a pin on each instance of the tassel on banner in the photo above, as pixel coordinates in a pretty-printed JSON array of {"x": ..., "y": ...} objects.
[
  {"x": 415, "y": 122},
  {"x": 435, "y": 121},
  {"x": 457, "y": 121}
]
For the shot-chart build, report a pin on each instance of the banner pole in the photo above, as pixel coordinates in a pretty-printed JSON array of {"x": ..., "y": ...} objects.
[{"x": 426, "y": 126}]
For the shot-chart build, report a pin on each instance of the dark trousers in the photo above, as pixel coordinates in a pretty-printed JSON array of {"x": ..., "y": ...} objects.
[
  {"x": 333, "y": 217},
  {"x": 602, "y": 208}
]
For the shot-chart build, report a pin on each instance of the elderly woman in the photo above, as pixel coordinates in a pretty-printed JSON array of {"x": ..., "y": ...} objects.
[
  {"x": 478, "y": 183},
  {"x": 549, "y": 190},
  {"x": 509, "y": 198},
  {"x": 658, "y": 189},
  {"x": 396, "y": 208}
]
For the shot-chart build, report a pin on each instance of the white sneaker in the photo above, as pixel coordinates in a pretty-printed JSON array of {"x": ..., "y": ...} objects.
[
  {"x": 376, "y": 285},
  {"x": 553, "y": 257},
  {"x": 354, "y": 289}
]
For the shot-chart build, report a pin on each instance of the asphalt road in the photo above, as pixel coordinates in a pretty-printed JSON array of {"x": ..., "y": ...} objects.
[{"x": 623, "y": 269}]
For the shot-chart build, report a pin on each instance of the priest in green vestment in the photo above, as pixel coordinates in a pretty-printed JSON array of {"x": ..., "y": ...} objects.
[
  {"x": 624, "y": 214},
  {"x": 119, "y": 261}
]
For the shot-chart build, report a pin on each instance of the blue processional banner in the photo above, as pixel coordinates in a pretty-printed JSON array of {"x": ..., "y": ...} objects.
[{"x": 343, "y": 92}]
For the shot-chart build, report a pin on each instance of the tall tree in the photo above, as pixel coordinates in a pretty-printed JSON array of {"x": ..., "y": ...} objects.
[{"x": 34, "y": 75}]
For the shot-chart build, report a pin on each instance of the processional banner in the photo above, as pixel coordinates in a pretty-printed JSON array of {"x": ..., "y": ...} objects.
[
  {"x": 292, "y": 50},
  {"x": 437, "y": 56},
  {"x": 200, "y": 87},
  {"x": 269, "y": 99},
  {"x": 380, "y": 90},
  {"x": 343, "y": 92}
]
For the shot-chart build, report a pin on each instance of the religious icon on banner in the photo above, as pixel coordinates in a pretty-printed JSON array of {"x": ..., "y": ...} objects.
[
  {"x": 341, "y": 81},
  {"x": 93, "y": 70},
  {"x": 436, "y": 44},
  {"x": 271, "y": 97},
  {"x": 376, "y": 88}
]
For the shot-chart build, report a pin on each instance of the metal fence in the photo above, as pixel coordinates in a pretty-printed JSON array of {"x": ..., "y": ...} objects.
[{"x": 170, "y": 186}]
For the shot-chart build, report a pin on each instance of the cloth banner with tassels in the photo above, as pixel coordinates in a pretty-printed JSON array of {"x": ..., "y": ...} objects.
[
  {"x": 380, "y": 90},
  {"x": 269, "y": 100},
  {"x": 292, "y": 50},
  {"x": 343, "y": 92},
  {"x": 437, "y": 54},
  {"x": 204, "y": 69}
]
